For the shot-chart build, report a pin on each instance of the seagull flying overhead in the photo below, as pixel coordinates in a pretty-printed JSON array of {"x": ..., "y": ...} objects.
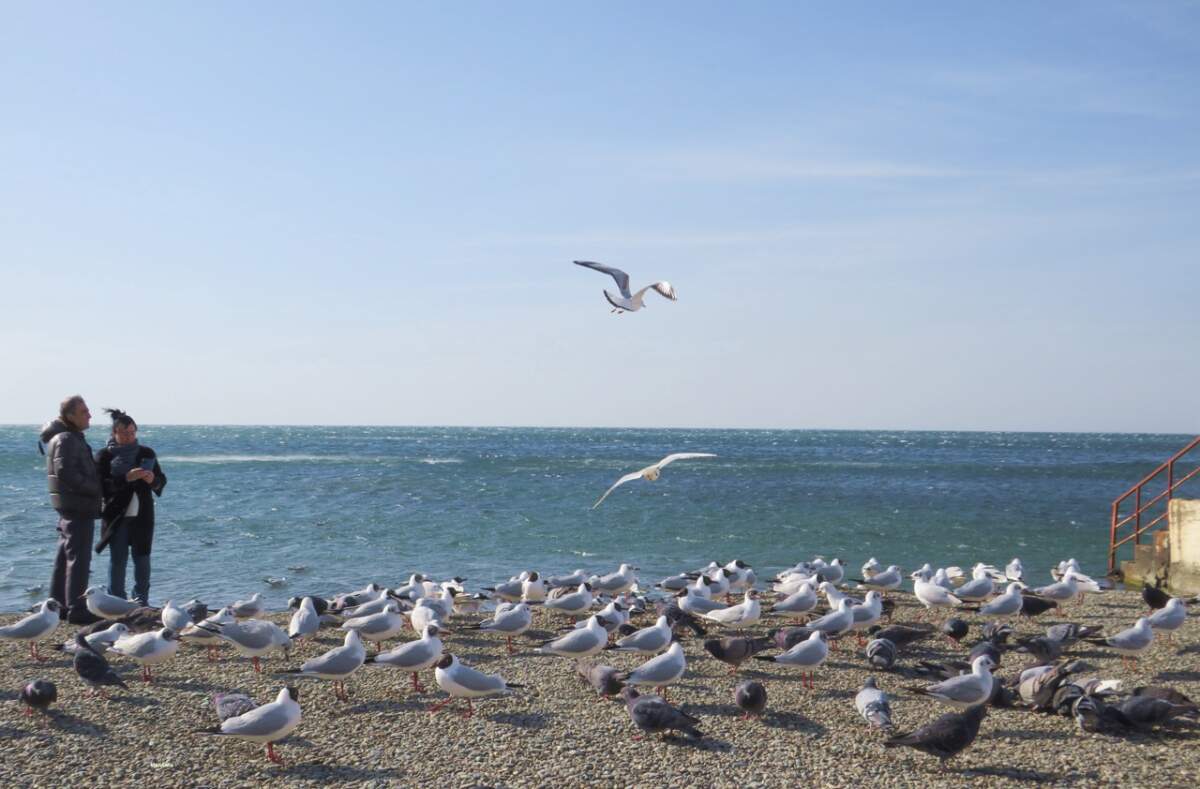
[
  {"x": 651, "y": 473},
  {"x": 627, "y": 301}
]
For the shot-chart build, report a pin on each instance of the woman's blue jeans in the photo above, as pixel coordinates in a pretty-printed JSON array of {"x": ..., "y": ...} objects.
[{"x": 118, "y": 550}]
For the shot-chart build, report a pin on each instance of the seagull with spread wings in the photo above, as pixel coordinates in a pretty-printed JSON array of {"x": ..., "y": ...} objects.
[
  {"x": 651, "y": 473},
  {"x": 627, "y": 301}
]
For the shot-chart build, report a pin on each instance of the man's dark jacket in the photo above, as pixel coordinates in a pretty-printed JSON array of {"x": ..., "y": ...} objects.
[{"x": 71, "y": 472}]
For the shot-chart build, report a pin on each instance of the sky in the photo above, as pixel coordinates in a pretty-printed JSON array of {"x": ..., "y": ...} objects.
[{"x": 894, "y": 216}]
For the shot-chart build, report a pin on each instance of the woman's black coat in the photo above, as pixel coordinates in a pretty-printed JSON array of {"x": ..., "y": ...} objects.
[{"x": 117, "y": 495}]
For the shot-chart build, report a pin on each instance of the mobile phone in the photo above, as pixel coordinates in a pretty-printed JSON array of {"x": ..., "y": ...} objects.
[{"x": 148, "y": 464}]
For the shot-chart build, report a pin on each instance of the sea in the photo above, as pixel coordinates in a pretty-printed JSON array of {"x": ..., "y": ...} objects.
[{"x": 312, "y": 510}]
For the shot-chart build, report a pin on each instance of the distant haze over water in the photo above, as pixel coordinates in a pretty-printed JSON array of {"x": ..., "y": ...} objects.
[{"x": 329, "y": 508}]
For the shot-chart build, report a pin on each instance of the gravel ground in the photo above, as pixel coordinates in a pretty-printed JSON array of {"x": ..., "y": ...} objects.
[{"x": 555, "y": 731}]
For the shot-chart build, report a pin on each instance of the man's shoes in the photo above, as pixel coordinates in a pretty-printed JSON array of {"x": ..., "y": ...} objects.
[{"x": 82, "y": 616}]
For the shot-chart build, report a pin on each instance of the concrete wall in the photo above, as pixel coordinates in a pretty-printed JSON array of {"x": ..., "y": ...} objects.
[{"x": 1184, "y": 525}]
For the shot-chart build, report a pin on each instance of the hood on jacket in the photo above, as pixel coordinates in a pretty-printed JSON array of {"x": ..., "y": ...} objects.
[{"x": 52, "y": 429}]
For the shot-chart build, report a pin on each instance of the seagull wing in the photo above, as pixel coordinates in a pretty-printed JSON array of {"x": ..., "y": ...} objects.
[
  {"x": 680, "y": 456},
  {"x": 630, "y": 477},
  {"x": 620, "y": 276},
  {"x": 665, "y": 290}
]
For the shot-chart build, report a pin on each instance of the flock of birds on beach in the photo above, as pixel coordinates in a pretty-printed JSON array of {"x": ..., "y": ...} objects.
[
  {"x": 818, "y": 598},
  {"x": 819, "y": 606}
]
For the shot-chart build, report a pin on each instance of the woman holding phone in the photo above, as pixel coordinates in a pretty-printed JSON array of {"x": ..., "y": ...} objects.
[{"x": 129, "y": 474}]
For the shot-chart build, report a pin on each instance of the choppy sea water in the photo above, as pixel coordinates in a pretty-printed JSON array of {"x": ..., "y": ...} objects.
[{"x": 325, "y": 508}]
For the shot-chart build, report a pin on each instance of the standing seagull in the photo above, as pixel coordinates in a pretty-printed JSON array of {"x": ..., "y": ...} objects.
[
  {"x": 627, "y": 301},
  {"x": 651, "y": 473},
  {"x": 34, "y": 627},
  {"x": 268, "y": 724}
]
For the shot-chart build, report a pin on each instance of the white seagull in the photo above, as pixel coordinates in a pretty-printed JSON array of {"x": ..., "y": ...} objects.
[
  {"x": 34, "y": 627},
  {"x": 464, "y": 682},
  {"x": 627, "y": 301},
  {"x": 651, "y": 473},
  {"x": 268, "y": 724}
]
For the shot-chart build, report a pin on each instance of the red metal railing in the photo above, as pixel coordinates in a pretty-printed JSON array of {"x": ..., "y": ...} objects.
[{"x": 1141, "y": 508}]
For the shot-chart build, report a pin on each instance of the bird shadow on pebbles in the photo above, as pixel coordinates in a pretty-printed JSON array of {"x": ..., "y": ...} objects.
[
  {"x": 1011, "y": 773},
  {"x": 531, "y": 721},
  {"x": 134, "y": 701},
  {"x": 385, "y": 705},
  {"x": 1029, "y": 734},
  {"x": 331, "y": 773},
  {"x": 72, "y": 724},
  {"x": 1177, "y": 676},
  {"x": 793, "y": 721}
]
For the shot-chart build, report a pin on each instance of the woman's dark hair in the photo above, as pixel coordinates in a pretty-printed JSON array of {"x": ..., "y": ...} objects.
[{"x": 120, "y": 418}]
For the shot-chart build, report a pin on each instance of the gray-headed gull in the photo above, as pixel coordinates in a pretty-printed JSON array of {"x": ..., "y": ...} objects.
[
  {"x": 627, "y": 301},
  {"x": 652, "y": 472}
]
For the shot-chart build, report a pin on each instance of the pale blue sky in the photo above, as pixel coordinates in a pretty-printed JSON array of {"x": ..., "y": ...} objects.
[{"x": 972, "y": 216}]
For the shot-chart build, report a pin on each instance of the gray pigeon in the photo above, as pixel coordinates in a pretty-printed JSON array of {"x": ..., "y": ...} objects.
[
  {"x": 1146, "y": 712},
  {"x": 900, "y": 635},
  {"x": 997, "y": 632},
  {"x": 231, "y": 705},
  {"x": 751, "y": 698},
  {"x": 788, "y": 637},
  {"x": 653, "y": 714},
  {"x": 735, "y": 651},
  {"x": 881, "y": 654},
  {"x": 1044, "y": 650},
  {"x": 92, "y": 668},
  {"x": 602, "y": 678},
  {"x": 1068, "y": 633},
  {"x": 872, "y": 704},
  {"x": 945, "y": 737}
]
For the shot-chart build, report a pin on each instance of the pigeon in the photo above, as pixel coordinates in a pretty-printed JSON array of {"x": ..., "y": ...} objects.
[
  {"x": 881, "y": 654},
  {"x": 751, "y": 698},
  {"x": 626, "y": 300},
  {"x": 1068, "y": 633},
  {"x": 1154, "y": 596},
  {"x": 872, "y": 704},
  {"x": 197, "y": 610},
  {"x": 604, "y": 679},
  {"x": 900, "y": 635},
  {"x": 788, "y": 637},
  {"x": 93, "y": 668},
  {"x": 34, "y": 627},
  {"x": 231, "y": 705},
  {"x": 1147, "y": 712},
  {"x": 1044, "y": 650},
  {"x": 1166, "y": 694},
  {"x": 652, "y": 472},
  {"x": 946, "y": 736},
  {"x": 267, "y": 724},
  {"x": 320, "y": 604},
  {"x": 735, "y": 651},
  {"x": 38, "y": 695},
  {"x": 653, "y": 714},
  {"x": 997, "y": 632},
  {"x": 1032, "y": 605},
  {"x": 956, "y": 629}
]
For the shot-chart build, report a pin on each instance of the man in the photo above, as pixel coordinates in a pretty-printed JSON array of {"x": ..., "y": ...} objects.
[{"x": 75, "y": 495}]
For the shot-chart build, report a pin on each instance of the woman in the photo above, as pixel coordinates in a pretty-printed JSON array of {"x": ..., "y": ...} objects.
[{"x": 129, "y": 473}]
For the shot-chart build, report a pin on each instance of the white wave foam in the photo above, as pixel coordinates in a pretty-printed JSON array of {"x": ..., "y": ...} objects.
[{"x": 439, "y": 461}]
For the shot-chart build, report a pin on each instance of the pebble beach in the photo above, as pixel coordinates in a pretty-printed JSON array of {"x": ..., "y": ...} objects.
[{"x": 556, "y": 730}]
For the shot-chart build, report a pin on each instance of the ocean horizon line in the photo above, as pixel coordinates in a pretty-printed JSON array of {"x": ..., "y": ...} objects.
[{"x": 626, "y": 428}]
